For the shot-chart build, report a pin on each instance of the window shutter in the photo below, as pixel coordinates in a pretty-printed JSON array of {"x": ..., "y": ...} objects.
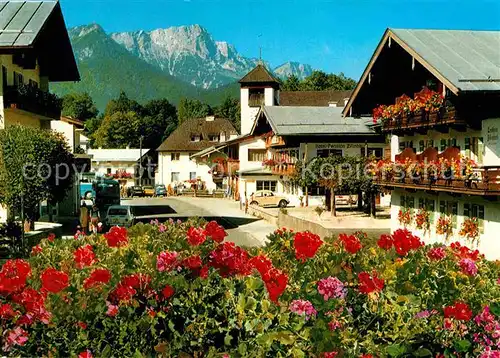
[
  {"x": 480, "y": 218},
  {"x": 454, "y": 214},
  {"x": 480, "y": 150},
  {"x": 430, "y": 208}
]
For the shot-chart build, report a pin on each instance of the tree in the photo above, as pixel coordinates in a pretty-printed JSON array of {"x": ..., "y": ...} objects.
[
  {"x": 319, "y": 81},
  {"x": 123, "y": 104},
  {"x": 118, "y": 130},
  {"x": 35, "y": 165},
  {"x": 79, "y": 106},
  {"x": 292, "y": 83},
  {"x": 159, "y": 122},
  {"x": 230, "y": 109},
  {"x": 192, "y": 108}
]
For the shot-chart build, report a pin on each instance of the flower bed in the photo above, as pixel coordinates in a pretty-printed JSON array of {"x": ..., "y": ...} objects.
[{"x": 176, "y": 289}]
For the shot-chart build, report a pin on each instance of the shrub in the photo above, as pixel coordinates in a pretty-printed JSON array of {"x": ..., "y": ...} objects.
[{"x": 174, "y": 290}]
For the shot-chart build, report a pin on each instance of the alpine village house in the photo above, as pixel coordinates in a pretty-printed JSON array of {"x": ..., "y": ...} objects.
[
  {"x": 34, "y": 50},
  {"x": 437, "y": 92}
]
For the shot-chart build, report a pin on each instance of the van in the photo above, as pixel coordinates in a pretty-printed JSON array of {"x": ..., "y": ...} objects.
[{"x": 120, "y": 215}]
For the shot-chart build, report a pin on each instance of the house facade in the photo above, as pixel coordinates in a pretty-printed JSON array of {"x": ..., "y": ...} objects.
[
  {"x": 436, "y": 93},
  {"x": 35, "y": 50},
  {"x": 177, "y": 161}
]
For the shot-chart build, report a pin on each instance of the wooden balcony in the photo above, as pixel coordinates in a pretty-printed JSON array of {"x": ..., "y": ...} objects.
[
  {"x": 441, "y": 121},
  {"x": 274, "y": 141},
  {"x": 283, "y": 169},
  {"x": 485, "y": 181},
  {"x": 32, "y": 99},
  {"x": 225, "y": 169}
]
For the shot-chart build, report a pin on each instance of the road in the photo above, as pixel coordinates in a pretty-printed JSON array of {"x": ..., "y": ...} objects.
[{"x": 243, "y": 229}]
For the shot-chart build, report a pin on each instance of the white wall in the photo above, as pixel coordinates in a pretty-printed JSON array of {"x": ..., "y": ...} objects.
[
  {"x": 68, "y": 130},
  {"x": 269, "y": 96},
  {"x": 348, "y": 149},
  {"x": 490, "y": 133},
  {"x": 184, "y": 166},
  {"x": 102, "y": 168},
  {"x": 248, "y": 113}
]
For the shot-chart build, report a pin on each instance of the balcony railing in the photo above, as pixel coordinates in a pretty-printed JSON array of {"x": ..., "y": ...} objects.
[
  {"x": 226, "y": 168},
  {"x": 274, "y": 141},
  {"x": 32, "y": 99},
  {"x": 424, "y": 120},
  {"x": 283, "y": 169}
]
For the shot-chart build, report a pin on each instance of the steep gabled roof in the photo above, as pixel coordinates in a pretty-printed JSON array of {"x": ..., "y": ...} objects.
[
  {"x": 260, "y": 74},
  {"x": 180, "y": 139},
  {"x": 313, "y": 98},
  {"x": 463, "y": 60},
  {"x": 39, "y": 25},
  {"x": 294, "y": 121}
]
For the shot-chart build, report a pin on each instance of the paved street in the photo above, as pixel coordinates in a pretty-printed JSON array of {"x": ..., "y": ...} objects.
[{"x": 244, "y": 230}]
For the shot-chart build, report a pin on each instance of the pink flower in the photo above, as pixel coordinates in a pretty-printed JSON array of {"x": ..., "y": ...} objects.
[
  {"x": 333, "y": 325},
  {"x": 331, "y": 287},
  {"x": 437, "y": 253},
  {"x": 112, "y": 310},
  {"x": 166, "y": 261},
  {"x": 16, "y": 336},
  {"x": 468, "y": 267},
  {"x": 303, "y": 307},
  {"x": 425, "y": 314}
]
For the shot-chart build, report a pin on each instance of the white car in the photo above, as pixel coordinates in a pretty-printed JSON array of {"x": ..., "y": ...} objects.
[{"x": 120, "y": 215}]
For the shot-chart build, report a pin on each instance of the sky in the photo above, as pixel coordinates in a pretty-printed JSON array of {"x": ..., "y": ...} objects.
[{"x": 333, "y": 36}]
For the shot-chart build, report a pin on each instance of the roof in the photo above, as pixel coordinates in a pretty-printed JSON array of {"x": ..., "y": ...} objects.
[
  {"x": 76, "y": 122},
  {"x": 39, "y": 25},
  {"x": 463, "y": 60},
  {"x": 260, "y": 74},
  {"x": 256, "y": 171},
  {"x": 180, "y": 139},
  {"x": 313, "y": 98},
  {"x": 117, "y": 155},
  {"x": 313, "y": 121}
]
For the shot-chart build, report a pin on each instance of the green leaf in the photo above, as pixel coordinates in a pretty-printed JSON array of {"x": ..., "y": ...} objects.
[
  {"x": 422, "y": 352},
  {"x": 495, "y": 308},
  {"x": 285, "y": 337},
  {"x": 396, "y": 350},
  {"x": 227, "y": 339},
  {"x": 251, "y": 304},
  {"x": 462, "y": 345}
]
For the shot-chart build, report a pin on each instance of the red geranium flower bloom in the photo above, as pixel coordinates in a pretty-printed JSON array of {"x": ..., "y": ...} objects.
[
  {"x": 166, "y": 261},
  {"x": 167, "y": 292},
  {"x": 460, "y": 311},
  {"x": 96, "y": 278},
  {"x": 215, "y": 231},
  {"x": 51, "y": 237},
  {"x": 84, "y": 256},
  {"x": 230, "y": 260},
  {"x": 275, "y": 281},
  {"x": 370, "y": 283},
  {"x": 192, "y": 262},
  {"x": 463, "y": 252},
  {"x": 117, "y": 236},
  {"x": 7, "y": 312},
  {"x": 122, "y": 293},
  {"x": 35, "y": 250},
  {"x": 261, "y": 263},
  {"x": 436, "y": 253},
  {"x": 196, "y": 236},
  {"x": 404, "y": 241},
  {"x": 13, "y": 276},
  {"x": 351, "y": 243},
  {"x": 86, "y": 354},
  {"x": 306, "y": 244},
  {"x": 53, "y": 280},
  {"x": 137, "y": 281},
  {"x": 385, "y": 242}
]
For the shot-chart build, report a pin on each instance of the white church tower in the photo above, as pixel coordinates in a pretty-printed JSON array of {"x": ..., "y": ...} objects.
[{"x": 258, "y": 88}]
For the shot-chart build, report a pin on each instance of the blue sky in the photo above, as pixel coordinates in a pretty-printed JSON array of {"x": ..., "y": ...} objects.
[{"x": 334, "y": 36}]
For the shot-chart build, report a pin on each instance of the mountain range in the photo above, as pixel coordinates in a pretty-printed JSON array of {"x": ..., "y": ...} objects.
[{"x": 175, "y": 62}]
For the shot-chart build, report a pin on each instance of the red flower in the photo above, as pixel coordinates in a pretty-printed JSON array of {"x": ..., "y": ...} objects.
[
  {"x": 117, "y": 237},
  {"x": 122, "y": 293},
  {"x": 404, "y": 241},
  {"x": 385, "y": 242},
  {"x": 370, "y": 283},
  {"x": 351, "y": 243},
  {"x": 463, "y": 252},
  {"x": 96, "y": 278},
  {"x": 166, "y": 261},
  {"x": 215, "y": 231},
  {"x": 84, "y": 256},
  {"x": 82, "y": 325},
  {"x": 167, "y": 292},
  {"x": 35, "y": 250},
  {"x": 261, "y": 263},
  {"x": 329, "y": 354},
  {"x": 137, "y": 281},
  {"x": 16, "y": 336},
  {"x": 112, "y": 310},
  {"x": 13, "y": 276},
  {"x": 436, "y": 253},
  {"x": 196, "y": 236},
  {"x": 230, "y": 260},
  {"x": 306, "y": 244},
  {"x": 7, "y": 312},
  {"x": 460, "y": 311},
  {"x": 192, "y": 262},
  {"x": 51, "y": 237},
  {"x": 275, "y": 281},
  {"x": 53, "y": 280},
  {"x": 85, "y": 354},
  {"x": 366, "y": 356}
]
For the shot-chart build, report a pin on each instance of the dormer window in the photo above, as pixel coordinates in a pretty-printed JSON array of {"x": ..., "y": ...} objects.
[
  {"x": 214, "y": 138},
  {"x": 195, "y": 138}
]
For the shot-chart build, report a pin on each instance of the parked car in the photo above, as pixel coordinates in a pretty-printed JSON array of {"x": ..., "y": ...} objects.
[
  {"x": 136, "y": 190},
  {"x": 148, "y": 191},
  {"x": 160, "y": 190},
  {"x": 120, "y": 215},
  {"x": 268, "y": 198}
]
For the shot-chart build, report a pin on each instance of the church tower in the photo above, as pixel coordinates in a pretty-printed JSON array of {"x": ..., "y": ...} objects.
[{"x": 258, "y": 88}]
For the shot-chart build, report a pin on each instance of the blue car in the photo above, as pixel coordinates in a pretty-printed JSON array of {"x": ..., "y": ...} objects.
[{"x": 160, "y": 190}]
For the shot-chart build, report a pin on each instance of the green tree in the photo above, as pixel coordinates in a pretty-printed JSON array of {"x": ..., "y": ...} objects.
[
  {"x": 123, "y": 104},
  {"x": 118, "y": 130},
  {"x": 319, "y": 81},
  {"x": 79, "y": 106},
  {"x": 292, "y": 83},
  {"x": 230, "y": 109},
  {"x": 159, "y": 122},
  {"x": 35, "y": 165},
  {"x": 192, "y": 108}
]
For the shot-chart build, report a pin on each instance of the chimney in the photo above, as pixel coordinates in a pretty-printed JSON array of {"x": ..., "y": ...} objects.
[
  {"x": 346, "y": 100},
  {"x": 332, "y": 104},
  {"x": 210, "y": 118}
]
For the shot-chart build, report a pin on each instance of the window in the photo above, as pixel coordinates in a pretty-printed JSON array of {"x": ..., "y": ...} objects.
[
  {"x": 175, "y": 156},
  {"x": 266, "y": 185},
  {"x": 195, "y": 138},
  {"x": 449, "y": 208},
  {"x": 373, "y": 152},
  {"x": 421, "y": 146},
  {"x": 475, "y": 211},
  {"x": 18, "y": 79},
  {"x": 452, "y": 142},
  {"x": 214, "y": 138},
  {"x": 325, "y": 153},
  {"x": 443, "y": 145},
  {"x": 315, "y": 190},
  {"x": 174, "y": 176},
  {"x": 257, "y": 155},
  {"x": 430, "y": 143},
  {"x": 256, "y": 97},
  {"x": 192, "y": 175},
  {"x": 428, "y": 205}
]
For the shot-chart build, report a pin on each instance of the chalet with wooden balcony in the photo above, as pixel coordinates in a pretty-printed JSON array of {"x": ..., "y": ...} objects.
[
  {"x": 436, "y": 93},
  {"x": 34, "y": 51}
]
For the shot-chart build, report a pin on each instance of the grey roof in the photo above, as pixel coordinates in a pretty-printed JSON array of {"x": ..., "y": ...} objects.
[
  {"x": 21, "y": 21},
  {"x": 117, "y": 155},
  {"x": 468, "y": 59},
  {"x": 313, "y": 121}
]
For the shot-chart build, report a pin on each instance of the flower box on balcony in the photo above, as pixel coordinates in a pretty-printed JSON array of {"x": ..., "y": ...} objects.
[{"x": 32, "y": 99}]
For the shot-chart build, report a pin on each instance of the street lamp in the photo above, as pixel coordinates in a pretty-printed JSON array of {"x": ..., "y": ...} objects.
[{"x": 141, "y": 138}]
